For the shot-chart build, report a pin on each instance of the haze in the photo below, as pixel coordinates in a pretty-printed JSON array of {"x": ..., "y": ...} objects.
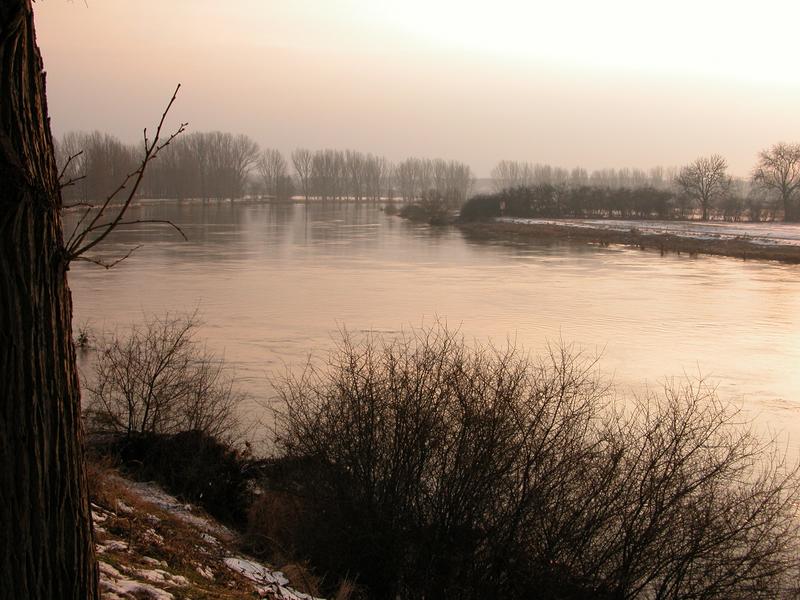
[{"x": 613, "y": 84}]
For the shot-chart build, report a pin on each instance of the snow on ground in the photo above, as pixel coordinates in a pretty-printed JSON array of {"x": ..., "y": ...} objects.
[
  {"x": 268, "y": 582},
  {"x": 127, "y": 532},
  {"x": 116, "y": 586},
  {"x": 783, "y": 234},
  {"x": 149, "y": 492}
]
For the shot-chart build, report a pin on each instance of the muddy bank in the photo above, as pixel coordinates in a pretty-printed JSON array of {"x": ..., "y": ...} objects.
[{"x": 663, "y": 243}]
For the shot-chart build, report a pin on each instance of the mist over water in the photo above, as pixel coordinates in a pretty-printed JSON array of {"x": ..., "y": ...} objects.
[{"x": 273, "y": 283}]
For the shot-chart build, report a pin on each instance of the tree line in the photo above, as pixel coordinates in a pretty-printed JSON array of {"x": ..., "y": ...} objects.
[
  {"x": 220, "y": 165},
  {"x": 509, "y": 174},
  {"x": 702, "y": 188}
]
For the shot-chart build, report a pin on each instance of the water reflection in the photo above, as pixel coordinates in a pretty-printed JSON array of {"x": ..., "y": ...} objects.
[{"x": 272, "y": 282}]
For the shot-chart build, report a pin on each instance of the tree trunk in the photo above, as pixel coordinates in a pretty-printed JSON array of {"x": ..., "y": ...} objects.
[
  {"x": 788, "y": 206},
  {"x": 45, "y": 518}
]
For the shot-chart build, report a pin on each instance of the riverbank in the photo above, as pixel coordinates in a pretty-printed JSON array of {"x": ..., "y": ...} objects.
[
  {"x": 737, "y": 247},
  {"x": 150, "y": 545}
]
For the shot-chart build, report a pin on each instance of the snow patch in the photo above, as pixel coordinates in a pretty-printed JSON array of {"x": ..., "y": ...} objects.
[
  {"x": 154, "y": 561},
  {"x": 161, "y": 576},
  {"x": 149, "y": 492},
  {"x": 210, "y": 539},
  {"x": 205, "y": 572},
  {"x": 98, "y": 514},
  {"x": 268, "y": 582},
  {"x": 774, "y": 234},
  {"x": 151, "y": 535},
  {"x": 256, "y": 571},
  {"x": 114, "y": 585},
  {"x": 113, "y": 546}
]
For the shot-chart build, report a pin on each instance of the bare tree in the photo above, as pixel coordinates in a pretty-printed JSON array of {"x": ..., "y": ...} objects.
[
  {"x": 355, "y": 171},
  {"x": 328, "y": 174},
  {"x": 194, "y": 175},
  {"x": 273, "y": 170},
  {"x": 302, "y": 160},
  {"x": 511, "y": 174},
  {"x": 377, "y": 173},
  {"x": 244, "y": 156},
  {"x": 778, "y": 170},
  {"x": 705, "y": 180}
]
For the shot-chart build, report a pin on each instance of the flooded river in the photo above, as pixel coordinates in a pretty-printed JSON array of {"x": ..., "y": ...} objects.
[{"x": 273, "y": 284}]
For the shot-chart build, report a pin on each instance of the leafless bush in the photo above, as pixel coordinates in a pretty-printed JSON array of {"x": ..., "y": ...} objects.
[
  {"x": 432, "y": 468},
  {"x": 682, "y": 500},
  {"x": 157, "y": 379}
]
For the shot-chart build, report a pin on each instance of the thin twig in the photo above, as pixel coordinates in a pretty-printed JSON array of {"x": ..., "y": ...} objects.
[
  {"x": 66, "y": 164},
  {"x": 105, "y": 265},
  {"x": 72, "y": 181},
  {"x": 77, "y": 204},
  {"x": 77, "y": 244},
  {"x": 139, "y": 221},
  {"x": 78, "y": 224}
]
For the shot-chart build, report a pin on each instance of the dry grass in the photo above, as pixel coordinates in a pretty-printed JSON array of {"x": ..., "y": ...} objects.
[
  {"x": 348, "y": 591},
  {"x": 133, "y": 534},
  {"x": 273, "y": 521},
  {"x": 302, "y": 578}
]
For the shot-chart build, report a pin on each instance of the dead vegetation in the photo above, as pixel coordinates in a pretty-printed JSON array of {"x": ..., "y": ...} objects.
[
  {"x": 426, "y": 467},
  {"x": 151, "y": 546},
  {"x": 421, "y": 466}
]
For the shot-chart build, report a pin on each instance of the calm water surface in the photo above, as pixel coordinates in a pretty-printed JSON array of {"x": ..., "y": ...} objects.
[{"x": 273, "y": 284}]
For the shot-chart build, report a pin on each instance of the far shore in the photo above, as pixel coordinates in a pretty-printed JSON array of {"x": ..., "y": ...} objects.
[{"x": 663, "y": 243}]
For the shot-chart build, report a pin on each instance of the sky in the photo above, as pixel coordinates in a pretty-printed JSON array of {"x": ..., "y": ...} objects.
[{"x": 617, "y": 83}]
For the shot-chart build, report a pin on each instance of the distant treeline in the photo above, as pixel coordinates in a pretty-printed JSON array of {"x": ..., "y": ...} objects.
[
  {"x": 556, "y": 201},
  {"x": 218, "y": 165},
  {"x": 700, "y": 189},
  {"x": 592, "y": 201},
  {"x": 513, "y": 174}
]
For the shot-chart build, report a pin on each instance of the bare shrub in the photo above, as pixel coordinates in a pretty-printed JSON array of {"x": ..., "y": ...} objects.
[
  {"x": 681, "y": 501},
  {"x": 427, "y": 467},
  {"x": 273, "y": 521},
  {"x": 431, "y": 208},
  {"x": 157, "y": 379}
]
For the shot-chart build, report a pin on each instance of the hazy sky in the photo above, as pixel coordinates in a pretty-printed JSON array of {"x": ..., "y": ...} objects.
[{"x": 609, "y": 83}]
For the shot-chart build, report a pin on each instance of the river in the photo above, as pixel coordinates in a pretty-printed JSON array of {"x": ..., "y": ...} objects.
[{"x": 273, "y": 283}]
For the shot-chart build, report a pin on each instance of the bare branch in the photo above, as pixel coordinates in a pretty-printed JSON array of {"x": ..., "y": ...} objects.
[
  {"x": 79, "y": 204},
  {"x": 71, "y": 181},
  {"x": 66, "y": 166},
  {"x": 140, "y": 221},
  {"x": 75, "y": 229},
  {"x": 108, "y": 265},
  {"x": 78, "y": 244}
]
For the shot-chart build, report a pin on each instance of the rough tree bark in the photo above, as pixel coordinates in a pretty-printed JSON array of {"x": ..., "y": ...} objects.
[{"x": 45, "y": 518}]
